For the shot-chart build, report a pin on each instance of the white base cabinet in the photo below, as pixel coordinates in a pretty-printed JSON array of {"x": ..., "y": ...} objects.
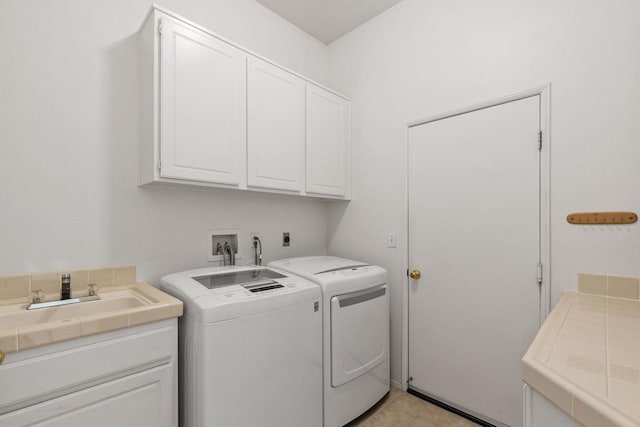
[
  {"x": 214, "y": 114},
  {"x": 121, "y": 378},
  {"x": 136, "y": 400},
  {"x": 539, "y": 412}
]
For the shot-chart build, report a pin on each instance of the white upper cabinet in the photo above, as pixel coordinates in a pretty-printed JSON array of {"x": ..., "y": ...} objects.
[
  {"x": 328, "y": 160},
  {"x": 276, "y": 127},
  {"x": 203, "y": 106},
  {"x": 214, "y": 114}
]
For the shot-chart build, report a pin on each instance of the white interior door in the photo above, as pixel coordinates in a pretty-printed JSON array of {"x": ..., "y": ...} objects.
[{"x": 474, "y": 233}]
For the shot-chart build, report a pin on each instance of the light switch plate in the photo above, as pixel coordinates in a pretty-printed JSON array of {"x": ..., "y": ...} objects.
[{"x": 391, "y": 240}]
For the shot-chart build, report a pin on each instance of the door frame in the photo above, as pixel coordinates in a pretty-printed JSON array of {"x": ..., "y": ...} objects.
[{"x": 544, "y": 92}]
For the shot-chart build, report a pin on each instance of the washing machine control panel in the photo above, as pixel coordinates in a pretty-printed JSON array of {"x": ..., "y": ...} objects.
[
  {"x": 254, "y": 290},
  {"x": 263, "y": 287}
]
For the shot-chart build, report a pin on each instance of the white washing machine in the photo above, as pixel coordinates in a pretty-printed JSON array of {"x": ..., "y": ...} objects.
[
  {"x": 250, "y": 345},
  {"x": 355, "y": 332}
]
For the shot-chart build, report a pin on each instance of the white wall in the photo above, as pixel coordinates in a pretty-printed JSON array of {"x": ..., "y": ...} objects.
[
  {"x": 68, "y": 129},
  {"x": 422, "y": 58}
]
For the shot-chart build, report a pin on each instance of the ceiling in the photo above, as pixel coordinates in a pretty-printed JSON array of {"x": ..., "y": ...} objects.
[{"x": 328, "y": 20}]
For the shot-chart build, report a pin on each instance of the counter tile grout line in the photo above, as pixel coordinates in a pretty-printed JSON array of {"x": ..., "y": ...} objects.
[{"x": 564, "y": 319}]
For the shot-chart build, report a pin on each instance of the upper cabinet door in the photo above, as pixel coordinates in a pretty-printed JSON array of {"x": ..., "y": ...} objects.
[
  {"x": 276, "y": 127},
  {"x": 202, "y": 106},
  {"x": 328, "y": 143}
]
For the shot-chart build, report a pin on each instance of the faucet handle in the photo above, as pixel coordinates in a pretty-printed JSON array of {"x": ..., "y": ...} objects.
[
  {"x": 93, "y": 289},
  {"x": 36, "y": 296}
]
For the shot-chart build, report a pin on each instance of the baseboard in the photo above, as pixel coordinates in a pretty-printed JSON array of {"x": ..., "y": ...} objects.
[{"x": 397, "y": 384}]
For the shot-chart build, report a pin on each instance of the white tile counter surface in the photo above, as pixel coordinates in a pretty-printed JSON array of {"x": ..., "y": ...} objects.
[
  {"x": 586, "y": 359},
  {"x": 21, "y": 330}
]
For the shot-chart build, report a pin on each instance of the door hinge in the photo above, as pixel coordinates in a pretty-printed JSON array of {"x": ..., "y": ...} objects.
[
  {"x": 409, "y": 380},
  {"x": 539, "y": 140},
  {"x": 159, "y": 164},
  {"x": 160, "y": 27},
  {"x": 539, "y": 273}
]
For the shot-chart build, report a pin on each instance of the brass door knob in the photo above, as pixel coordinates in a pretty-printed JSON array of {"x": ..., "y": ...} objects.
[
  {"x": 1, "y": 357},
  {"x": 415, "y": 274}
]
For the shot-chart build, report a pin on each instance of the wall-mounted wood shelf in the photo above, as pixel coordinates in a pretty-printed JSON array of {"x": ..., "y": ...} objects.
[{"x": 602, "y": 218}]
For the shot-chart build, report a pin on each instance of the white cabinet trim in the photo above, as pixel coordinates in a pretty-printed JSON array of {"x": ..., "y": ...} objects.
[{"x": 189, "y": 22}]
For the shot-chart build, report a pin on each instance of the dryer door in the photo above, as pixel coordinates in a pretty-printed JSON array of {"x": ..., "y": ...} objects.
[{"x": 359, "y": 333}]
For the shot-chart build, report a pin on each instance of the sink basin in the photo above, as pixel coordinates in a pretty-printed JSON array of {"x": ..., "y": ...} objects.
[
  {"x": 117, "y": 308},
  {"x": 15, "y": 316}
]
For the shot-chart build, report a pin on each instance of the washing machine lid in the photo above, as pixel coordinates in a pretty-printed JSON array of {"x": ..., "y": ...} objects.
[
  {"x": 332, "y": 273},
  {"x": 222, "y": 293}
]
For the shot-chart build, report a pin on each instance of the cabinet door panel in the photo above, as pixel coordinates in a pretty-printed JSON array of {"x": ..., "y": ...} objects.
[
  {"x": 59, "y": 371},
  {"x": 144, "y": 399},
  {"x": 328, "y": 142},
  {"x": 203, "y": 106},
  {"x": 540, "y": 412},
  {"x": 276, "y": 132}
]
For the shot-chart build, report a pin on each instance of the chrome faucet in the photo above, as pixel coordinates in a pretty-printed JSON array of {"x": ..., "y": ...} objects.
[
  {"x": 228, "y": 249},
  {"x": 65, "y": 296}
]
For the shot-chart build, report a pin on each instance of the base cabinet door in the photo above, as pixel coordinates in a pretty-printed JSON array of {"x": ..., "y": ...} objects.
[
  {"x": 202, "y": 106},
  {"x": 539, "y": 412},
  {"x": 144, "y": 399},
  {"x": 328, "y": 143}
]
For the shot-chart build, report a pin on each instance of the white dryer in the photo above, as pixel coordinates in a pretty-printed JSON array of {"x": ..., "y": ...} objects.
[
  {"x": 355, "y": 332},
  {"x": 250, "y": 346}
]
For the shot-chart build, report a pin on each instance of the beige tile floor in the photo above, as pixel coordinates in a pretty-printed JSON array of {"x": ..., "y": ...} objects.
[{"x": 400, "y": 409}]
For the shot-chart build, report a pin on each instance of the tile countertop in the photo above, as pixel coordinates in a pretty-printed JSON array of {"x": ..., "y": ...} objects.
[
  {"x": 159, "y": 306},
  {"x": 586, "y": 359}
]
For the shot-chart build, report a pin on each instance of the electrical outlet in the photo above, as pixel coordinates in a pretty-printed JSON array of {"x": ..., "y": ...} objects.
[{"x": 286, "y": 239}]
